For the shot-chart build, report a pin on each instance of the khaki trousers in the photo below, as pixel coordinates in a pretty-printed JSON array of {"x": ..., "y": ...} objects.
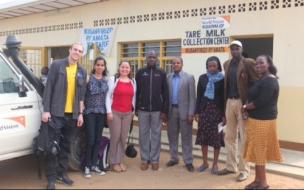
[
  {"x": 119, "y": 129},
  {"x": 235, "y": 138}
]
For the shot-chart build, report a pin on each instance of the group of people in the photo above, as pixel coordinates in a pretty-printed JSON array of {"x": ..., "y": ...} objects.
[{"x": 244, "y": 99}]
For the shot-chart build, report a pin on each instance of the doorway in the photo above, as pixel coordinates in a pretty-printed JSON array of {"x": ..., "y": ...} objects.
[
  {"x": 255, "y": 46},
  {"x": 55, "y": 53}
]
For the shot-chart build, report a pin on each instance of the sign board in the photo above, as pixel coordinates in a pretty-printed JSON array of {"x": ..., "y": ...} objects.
[{"x": 102, "y": 38}]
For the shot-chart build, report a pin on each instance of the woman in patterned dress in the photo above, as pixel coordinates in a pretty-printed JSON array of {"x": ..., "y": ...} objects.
[{"x": 210, "y": 112}]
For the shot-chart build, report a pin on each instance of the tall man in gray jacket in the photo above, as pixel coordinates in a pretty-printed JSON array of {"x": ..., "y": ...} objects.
[
  {"x": 181, "y": 86},
  {"x": 63, "y": 107}
]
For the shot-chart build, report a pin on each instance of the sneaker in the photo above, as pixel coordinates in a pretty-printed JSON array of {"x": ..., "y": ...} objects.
[
  {"x": 87, "y": 172},
  {"x": 242, "y": 177},
  {"x": 65, "y": 179},
  {"x": 97, "y": 170}
]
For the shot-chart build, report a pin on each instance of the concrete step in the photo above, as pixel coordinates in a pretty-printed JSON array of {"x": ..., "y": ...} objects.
[{"x": 292, "y": 166}]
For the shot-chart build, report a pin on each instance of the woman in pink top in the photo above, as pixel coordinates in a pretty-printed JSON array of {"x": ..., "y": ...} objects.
[{"x": 120, "y": 104}]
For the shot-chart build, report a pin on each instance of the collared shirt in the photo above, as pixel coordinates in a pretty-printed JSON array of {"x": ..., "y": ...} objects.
[
  {"x": 232, "y": 80},
  {"x": 175, "y": 88}
]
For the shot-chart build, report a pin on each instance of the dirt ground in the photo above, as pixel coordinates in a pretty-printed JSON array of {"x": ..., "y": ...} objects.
[{"x": 22, "y": 173}]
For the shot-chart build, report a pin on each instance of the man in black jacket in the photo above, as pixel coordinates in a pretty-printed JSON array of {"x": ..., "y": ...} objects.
[
  {"x": 63, "y": 106},
  {"x": 151, "y": 106}
]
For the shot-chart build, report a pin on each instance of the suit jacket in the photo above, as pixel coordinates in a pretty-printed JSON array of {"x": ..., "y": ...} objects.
[
  {"x": 186, "y": 98},
  {"x": 55, "y": 92},
  {"x": 246, "y": 75}
]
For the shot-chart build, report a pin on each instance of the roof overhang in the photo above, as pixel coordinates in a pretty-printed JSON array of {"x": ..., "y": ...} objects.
[{"x": 26, "y": 7}]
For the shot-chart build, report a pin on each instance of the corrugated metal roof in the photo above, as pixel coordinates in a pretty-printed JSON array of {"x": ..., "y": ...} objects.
[{"x": 26, "y": 7}]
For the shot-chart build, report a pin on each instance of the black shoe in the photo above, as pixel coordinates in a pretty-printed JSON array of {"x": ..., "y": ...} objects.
[
  {"x": 171, "y": 163},
  {"x": 190, "y": 167},
  {"x": 225, "y": 172},
  {"x": 65, "y": 179},
  {"x": 51, "y": 185}
]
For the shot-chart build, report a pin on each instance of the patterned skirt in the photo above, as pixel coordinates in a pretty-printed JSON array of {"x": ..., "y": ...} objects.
[
  {"x": 262, "y": 143},
  {"x": 207, "y": 133}
]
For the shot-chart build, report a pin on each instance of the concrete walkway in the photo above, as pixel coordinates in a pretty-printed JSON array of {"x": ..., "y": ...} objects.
[{"x": 292, "y": 166}]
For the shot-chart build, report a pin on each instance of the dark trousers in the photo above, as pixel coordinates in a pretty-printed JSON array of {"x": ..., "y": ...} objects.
[
  {"x": 94, "y": 124},
  {"x": 62, "y": 129}
]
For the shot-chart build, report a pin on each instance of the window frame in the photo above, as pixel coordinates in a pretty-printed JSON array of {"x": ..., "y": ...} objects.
[{"x": 164, "y": 60}]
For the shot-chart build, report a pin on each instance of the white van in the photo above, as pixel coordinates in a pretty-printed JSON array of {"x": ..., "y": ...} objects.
[
  {"x": 21, "y": 108},
  {"x": 19, "y": 115}
]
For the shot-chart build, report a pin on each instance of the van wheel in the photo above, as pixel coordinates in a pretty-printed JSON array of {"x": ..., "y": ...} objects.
[{"x": 77, "y": 146}]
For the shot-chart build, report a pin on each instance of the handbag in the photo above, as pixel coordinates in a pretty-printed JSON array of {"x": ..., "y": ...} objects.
[{"x": 131, "y": 152}]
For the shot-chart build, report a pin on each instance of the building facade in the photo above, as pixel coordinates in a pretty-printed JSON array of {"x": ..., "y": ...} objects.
[{"x": 192, "y": 29}]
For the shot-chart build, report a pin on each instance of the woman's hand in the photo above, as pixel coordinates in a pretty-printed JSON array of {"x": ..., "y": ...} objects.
[{"x": 110, "y": 117}]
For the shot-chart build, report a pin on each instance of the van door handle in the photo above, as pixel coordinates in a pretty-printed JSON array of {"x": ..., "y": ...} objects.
[{"x": 23, "y": 107}]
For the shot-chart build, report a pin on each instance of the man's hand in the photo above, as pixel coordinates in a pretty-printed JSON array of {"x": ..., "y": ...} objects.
[
  {"x": 80, "y": 120},
  {"x": 164, "y": 117},
  {"x": 110, "y": 117},
  {"x": 197, "y": 117},
  {"x": 46, "y": 116},
  {"x": 224, "y": 120},
  {"x": 190, "y": 119}
]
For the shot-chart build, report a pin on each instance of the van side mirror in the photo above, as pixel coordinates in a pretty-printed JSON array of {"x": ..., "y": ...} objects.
[{"x": 21, "y": 87}]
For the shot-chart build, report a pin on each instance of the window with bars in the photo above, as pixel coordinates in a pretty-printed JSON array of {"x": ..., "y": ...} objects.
[
  {"x": 33, "y": 58},
  {"x": 135, "y": 53}
]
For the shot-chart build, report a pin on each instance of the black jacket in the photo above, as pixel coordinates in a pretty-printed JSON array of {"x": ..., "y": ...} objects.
[
  {"x": 264, "y": 95},
  {"x": 201, "y": 100},
  {"x": 152, "y": 90}
]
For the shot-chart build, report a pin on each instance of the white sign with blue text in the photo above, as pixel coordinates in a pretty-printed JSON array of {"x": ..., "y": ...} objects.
[{"x": 102, "y": 38}]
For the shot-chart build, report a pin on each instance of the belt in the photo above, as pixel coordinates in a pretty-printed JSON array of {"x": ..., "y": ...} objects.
[
  {"x": 175, "y": 105},
  {"x": 234, "y": 97}
]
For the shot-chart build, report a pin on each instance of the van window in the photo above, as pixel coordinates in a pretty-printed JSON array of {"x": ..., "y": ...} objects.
[{"x": 8, "y": 79}]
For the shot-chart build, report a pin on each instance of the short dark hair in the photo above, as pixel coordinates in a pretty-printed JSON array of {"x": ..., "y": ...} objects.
[
  {"x": 216, "y": 59},
  {"x": 99, "y": 58},
  {"x": 45, "y": 70}
]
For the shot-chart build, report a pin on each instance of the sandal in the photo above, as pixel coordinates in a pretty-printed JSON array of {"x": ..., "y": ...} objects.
[
  {"x": 251, "y": 185},
  {"x": 259, "y": 187},
  {"x": 123, "y": 167},
  {"x": 202, "y": 168},
  {"x": 214, "y": 170},
  {"x": 116, "y": 168}
]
